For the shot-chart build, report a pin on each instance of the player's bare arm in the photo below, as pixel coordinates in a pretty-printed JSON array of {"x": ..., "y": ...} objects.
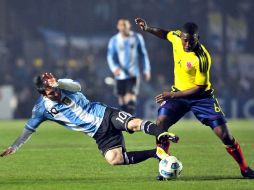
[
  {"x": 161, "y": 33},
  {"x": 179, "y": 94}
]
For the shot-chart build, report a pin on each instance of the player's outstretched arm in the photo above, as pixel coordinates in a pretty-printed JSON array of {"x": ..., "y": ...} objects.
[
  {"x": 66, "y": 84},
  {"x": 8, "y": 151},
  {"x": 179, "y": 94},
  {"x": 18, "y": 143},
  {"x": 161, "y": 33},
  {"x": 69, "y": 84}
]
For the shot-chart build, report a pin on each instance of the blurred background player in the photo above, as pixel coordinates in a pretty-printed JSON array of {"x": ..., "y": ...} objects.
[
  {"x": 61, "y": 101},
  {"x": 125, "y": 50},
  {"x": 192, "y": 89}
]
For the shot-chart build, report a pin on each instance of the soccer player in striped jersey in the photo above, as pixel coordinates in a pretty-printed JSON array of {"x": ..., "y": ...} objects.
[
  {"x": 192, "y": 89},
  {"x": 126, "y": 50},
  {"x": 61, "y": 101}
]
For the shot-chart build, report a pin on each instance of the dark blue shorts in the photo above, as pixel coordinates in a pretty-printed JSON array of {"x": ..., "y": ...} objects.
[{"x": 205, "y": 107}]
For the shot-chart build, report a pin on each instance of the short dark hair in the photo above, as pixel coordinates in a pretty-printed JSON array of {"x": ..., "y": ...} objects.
[
  {"x": 38, "y": 81},
  {"x": 190, "y": 28}
]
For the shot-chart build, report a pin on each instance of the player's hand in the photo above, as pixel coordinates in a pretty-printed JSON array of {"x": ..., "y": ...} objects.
[
  {"x": 49, "y": 79},
  {"x": 8, "y": 151},
  {"x": 117, "y": 72},
  {"x": 164, "y": 96},
  {"x": 147, "y": 76},
  {"x": 141, "y": 23}
]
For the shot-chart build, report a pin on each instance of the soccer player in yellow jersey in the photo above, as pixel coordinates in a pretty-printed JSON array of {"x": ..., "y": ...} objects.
[{"x": 192, "y": 89}]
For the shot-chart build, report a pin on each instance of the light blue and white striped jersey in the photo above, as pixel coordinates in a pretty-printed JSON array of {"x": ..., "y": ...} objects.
[
  {"x": 125, "y": 53},
  {"x": 74, "y": 111}
]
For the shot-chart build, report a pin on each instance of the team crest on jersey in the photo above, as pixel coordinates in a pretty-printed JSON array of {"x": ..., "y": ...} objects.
[
  {"x": 189, "y": 64},
  {"x": 66, "y": 101}
]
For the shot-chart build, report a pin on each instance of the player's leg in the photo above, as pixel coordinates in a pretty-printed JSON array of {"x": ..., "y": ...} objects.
[
  {"x": 110, "y": 140},
  {"x": 120, "y": 91},
  {"x": 124, "y": 121},
  {"x": 209, "y": 112},
  {"x": 114, "y": 156},
  {"x": 150, "y": 128},
  {"x": 168, "y": 114},
  {"x": 121, "y": 102},
  {"x": 130, "y": 96},
  {"x": 129, "y": 102},
  {"x": 163, "y": 122},
  {"x": 118, "y": 156},
  {"x": 234, "y": 149}
]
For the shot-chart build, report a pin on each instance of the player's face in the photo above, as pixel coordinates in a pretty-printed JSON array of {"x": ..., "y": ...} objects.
[
  {"x": 52, "y": 94},
  {"x": 189, "y": 42},
  {"x": 124, "y": 27}
]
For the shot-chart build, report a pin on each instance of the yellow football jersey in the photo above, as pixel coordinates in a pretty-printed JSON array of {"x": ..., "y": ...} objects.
[{"x": 190, "y": 68}]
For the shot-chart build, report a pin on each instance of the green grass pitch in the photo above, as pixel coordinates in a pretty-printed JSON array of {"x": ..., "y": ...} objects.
[{"x": 57, "y": 158}]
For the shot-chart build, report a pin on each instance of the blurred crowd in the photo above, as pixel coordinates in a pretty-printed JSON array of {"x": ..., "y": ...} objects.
[{"x": 72, "y": 43}]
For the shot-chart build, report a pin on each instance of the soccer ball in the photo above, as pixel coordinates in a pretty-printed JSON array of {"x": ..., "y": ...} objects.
[{"x": 170, "y": 167}]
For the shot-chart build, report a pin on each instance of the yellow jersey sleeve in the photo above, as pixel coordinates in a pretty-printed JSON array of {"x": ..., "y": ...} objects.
[{"x": 173, "y": 35}]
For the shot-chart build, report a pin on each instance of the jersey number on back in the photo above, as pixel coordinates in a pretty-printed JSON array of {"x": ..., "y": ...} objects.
[{"x": 53, "y": 111}]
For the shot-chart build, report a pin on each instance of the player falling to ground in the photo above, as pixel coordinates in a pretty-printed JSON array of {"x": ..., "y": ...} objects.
[
  {"x": 126, "y": 50},
  {"x": 192, "y": 89},
  {"x": 61, "y": 101}
]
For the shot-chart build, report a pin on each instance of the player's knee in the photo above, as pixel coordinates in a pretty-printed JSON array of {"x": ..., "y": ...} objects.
[
  {"x": 115, "y": 162},
  {"x": 114, "y": 158},
  {"x": 163, "y": 122},
  {"x": 223, "y": 133}
]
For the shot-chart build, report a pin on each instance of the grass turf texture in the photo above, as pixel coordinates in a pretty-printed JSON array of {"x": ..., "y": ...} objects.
[{"x": 56, "y": 158}]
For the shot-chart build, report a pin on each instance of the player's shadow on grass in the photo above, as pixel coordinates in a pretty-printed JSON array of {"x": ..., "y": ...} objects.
[
  {"x": 208, "y": 178},
  {"x": 108, "y": 180},
  {"x": 66, "y": 180}
]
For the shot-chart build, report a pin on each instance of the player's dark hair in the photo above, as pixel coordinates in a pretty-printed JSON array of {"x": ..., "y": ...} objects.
[
  {"x": 190, "y": 28},
  {"x": 38, "y": 81}
]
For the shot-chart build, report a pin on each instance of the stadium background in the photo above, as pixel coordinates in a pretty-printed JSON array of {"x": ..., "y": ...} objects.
[{"x": 69, "y": 38}]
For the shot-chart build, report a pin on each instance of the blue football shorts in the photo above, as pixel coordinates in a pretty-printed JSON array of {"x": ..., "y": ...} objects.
[{"x": 204, "y": 106}]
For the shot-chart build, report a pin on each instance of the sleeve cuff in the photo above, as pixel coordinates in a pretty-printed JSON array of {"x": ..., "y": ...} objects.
[{"x": 30, "y": 128}]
